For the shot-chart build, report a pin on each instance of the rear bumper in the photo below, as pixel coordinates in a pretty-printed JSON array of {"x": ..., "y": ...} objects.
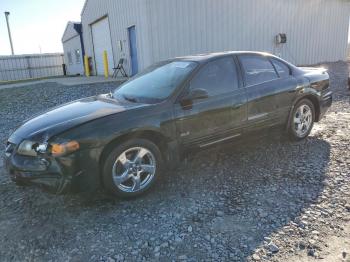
[{"x": 325, "y": 103}]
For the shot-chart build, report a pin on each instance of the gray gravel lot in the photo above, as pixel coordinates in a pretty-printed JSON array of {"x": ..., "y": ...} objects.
[{"x": 264, "y": 200}]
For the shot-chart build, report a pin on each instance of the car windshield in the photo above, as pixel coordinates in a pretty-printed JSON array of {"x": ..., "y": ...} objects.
[{"x": 156, "y": 83}]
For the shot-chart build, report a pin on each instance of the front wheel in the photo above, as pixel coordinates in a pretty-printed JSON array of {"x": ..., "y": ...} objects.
[
  {"x": 132, "y": 168},
  {"x": 302, "y": 120}
]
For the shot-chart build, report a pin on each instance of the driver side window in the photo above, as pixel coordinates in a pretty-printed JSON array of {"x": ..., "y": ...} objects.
[{"x": 217, "y": 77}]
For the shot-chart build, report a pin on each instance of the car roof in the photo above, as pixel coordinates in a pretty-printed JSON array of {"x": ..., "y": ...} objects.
[{"x": 202, "y": 58}]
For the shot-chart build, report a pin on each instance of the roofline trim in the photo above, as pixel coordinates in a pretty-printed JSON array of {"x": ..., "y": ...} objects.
[
  {"x": 65, "y": 30},
  {"x": 84, "y": 7},
  {"x": 68, "y": 39}
]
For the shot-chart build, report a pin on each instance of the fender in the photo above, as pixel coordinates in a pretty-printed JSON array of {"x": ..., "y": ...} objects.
[{"x": 310, "y": 96}]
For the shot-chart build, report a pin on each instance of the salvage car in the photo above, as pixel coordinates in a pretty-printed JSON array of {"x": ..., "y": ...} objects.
[{"x": 123, "y": 141}]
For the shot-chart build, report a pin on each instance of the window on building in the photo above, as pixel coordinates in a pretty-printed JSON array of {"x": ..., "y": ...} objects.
[
  {"x": 257, "y": 69},
  {"x": 281, "y": 68},
  {"x": 70, "y": 58},
  {"x": 77, "y": 56},
  {"x": 217, "y": 77}
]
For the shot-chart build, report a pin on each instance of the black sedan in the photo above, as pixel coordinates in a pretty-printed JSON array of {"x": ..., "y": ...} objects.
[{"x": 124, "y": 140}]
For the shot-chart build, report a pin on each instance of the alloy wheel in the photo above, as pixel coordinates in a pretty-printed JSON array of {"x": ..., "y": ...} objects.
[
  {"x": 303, "y": 120},
  {"x": 134, "y": 169}
]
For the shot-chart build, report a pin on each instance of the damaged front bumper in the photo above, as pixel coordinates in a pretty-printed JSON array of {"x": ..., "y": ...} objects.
[{"x": 56, "y": 174}]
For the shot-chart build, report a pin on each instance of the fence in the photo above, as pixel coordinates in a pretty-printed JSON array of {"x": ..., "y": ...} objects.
[{"x": 18, "y": 67}]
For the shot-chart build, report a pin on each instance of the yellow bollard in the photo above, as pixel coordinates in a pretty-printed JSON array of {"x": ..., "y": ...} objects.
[
  {"x": 105, "y": 63},
  {"x": 86, "y": 64}
]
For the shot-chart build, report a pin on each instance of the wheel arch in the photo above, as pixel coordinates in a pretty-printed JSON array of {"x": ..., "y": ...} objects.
[
  {"x": 314, "y": 100},
  {"x": 156, "y": 137}
]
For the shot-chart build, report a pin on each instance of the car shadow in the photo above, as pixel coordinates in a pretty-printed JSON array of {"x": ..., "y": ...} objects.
[
  {"x": 241, "y": 193},
  {"x": 230, "y": 198},
  {"x": 258, "y": 187}
]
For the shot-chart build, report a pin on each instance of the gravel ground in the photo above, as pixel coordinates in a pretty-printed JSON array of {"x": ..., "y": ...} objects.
[{"x": 263, "y": 200}]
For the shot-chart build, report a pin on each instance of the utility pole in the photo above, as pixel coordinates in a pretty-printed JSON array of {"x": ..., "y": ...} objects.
[{"x": 9, "y": 31}]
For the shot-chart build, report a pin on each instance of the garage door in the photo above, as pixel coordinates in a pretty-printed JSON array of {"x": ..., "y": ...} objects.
[{"x": 102, "y": 41}]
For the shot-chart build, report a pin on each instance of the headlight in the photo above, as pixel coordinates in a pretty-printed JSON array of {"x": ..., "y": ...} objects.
[
  {"x": 30, "y": 148},
  {"x": 64, "y": 148}
]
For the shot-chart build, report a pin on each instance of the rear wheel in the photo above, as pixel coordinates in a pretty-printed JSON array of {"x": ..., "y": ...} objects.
[
  {"x": 302, "y": 120},
  {"x": 132, "y": 168}
]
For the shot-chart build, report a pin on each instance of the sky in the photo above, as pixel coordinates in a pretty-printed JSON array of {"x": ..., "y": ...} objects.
[{"x": 36, "y": 24}]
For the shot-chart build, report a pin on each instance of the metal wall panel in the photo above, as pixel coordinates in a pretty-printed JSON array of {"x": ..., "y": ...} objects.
[
  {"x": 122, "y": 14},
  {"x": 18, "y": 67},
  {"x": 317, "y": 30}
]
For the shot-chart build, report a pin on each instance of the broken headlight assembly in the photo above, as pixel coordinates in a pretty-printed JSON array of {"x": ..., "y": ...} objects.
[{"x": 31, "y": 148}]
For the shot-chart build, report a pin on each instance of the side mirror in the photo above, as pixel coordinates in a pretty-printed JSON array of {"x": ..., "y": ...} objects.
[{"x": 193, "y": 95}]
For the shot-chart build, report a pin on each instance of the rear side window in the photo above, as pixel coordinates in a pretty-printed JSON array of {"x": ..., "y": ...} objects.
[
  {"x": 257, "y": 69},
  {"x": 281, "y": 68},
  {"x": 217, "y": 77}
]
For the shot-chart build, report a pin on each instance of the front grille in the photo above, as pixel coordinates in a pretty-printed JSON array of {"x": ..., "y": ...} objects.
[{"x": 10, "y": 147}]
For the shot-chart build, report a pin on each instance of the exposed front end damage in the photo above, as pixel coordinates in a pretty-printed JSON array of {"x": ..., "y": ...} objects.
[{"x": 57, "y": 174}]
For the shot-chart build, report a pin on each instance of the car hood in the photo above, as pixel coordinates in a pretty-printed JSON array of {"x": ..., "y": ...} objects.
[{"x": 64, "y": 117}]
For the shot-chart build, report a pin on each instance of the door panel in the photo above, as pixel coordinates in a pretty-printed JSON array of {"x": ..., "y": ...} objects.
[
  {"x": 286, "y": 88},
  {"x": 262, "y": 103},
  {"x": 218, "y": 116},
  {"x": 212, "y": 119},
  {"x": 261, "y": 83},
  {"x": 286, "y": 92},
  {"x": 269, "y": 103}
]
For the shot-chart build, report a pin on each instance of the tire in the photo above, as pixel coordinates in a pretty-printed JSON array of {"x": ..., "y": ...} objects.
[
  {"x": 301, "y": 120},
  {"x": 132, "y": 168}
]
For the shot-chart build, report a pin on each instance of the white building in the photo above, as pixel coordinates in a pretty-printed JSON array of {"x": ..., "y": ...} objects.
[
  {"x": 73, "y": 49},
  {"x": 147, "y": 31}
]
